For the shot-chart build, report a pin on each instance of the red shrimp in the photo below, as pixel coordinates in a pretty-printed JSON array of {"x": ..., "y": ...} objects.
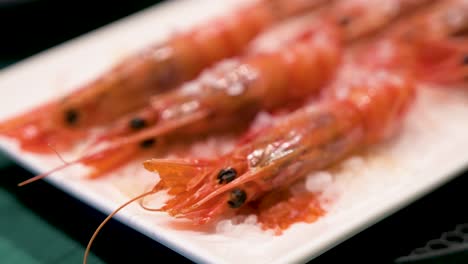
[
  {"x": 232, "y": 92},
  {"x": 444, "y": 63},
  {"x": 172, "y": 113},
  {"x": 363, "y": 18},
  {"x": 201, "y": 106},
  {"x": 437, "y": 21},
  {"x": 439, "y": 58},
  {"x": 434, "y": 42},
  {"x": 354, "y": 113},
  {"x": 127, "y": 86}
]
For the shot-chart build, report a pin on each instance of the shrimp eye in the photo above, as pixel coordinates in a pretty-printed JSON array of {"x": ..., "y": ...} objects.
[
  {"x": 148, "y": 143},
  {"x": 71, "y": 116},
  {"x": 227, "y": 175},
  {"x": 344, "y": 21},
  {"x": 465, "y": 59},
  {"x": 137, "y": 123},
  {"x": 237, "y": 198}
]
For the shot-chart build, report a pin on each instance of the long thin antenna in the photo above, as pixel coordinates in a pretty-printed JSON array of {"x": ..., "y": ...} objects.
[{"x": 108, "y": 218}]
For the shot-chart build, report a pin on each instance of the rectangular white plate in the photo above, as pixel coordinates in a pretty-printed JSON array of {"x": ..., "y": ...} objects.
[{"x": 430, "y": 150}]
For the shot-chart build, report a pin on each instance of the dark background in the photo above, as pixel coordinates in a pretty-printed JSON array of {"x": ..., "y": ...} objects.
[{"x": 28, "y": 27}]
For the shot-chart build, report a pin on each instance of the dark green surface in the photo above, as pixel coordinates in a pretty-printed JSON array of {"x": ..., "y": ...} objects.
[
  {"x": 27, "y": 238},
  {"x": 41, "y": 224}
]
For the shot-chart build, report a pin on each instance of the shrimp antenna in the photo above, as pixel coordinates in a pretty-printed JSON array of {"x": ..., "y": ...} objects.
[
  {"x": 66, "y": 164},
  {"x": 108, "y": 218},
  {"x": 43, "y": 175},
  {"x": 57, "y": 153},
  {"x": 142, "y": 205}
]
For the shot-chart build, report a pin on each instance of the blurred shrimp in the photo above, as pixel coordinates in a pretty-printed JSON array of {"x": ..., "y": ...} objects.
[
  {"x": 158, "y": 68},
  {"x": 363, "y": 107},
  {"x": 223, "y": 96},
  {"x": 361, "y": 18},
  {"x": 232, "y": 92},
  {"x": 436, "y": 39}
]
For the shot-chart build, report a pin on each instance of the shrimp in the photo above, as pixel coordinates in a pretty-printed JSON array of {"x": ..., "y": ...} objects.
[
  {"x": 434, "y": 42},
  {"x": 448, "y": 63},
  {"x": 361, "y": 18},
  {"x": 127, "y": 86},
  {"x": 437, "y": 21},
  {"x": 438, "y": 40},
  {"x": 210, "y": 103},
  {"x": 366, "y": 18},
  {"x": 233, "y": 92},
  {"x": 364, "y": 106},
  {"x": 353, "y": 115},
  {"x": 357, "y": 111}
]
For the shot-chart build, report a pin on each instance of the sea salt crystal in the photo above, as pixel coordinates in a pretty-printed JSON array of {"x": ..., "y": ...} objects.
[
  {"x": 353, "y": 163},
  {"x": 318, "y": 181},
  {"x": 251, "y": 220}
]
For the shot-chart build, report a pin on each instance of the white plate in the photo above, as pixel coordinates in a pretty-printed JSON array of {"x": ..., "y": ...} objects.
[{"x": 430, "y": 150}]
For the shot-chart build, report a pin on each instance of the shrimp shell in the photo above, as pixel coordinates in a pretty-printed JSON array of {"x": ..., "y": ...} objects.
[
  {"x": 352, "y": 114},
  {"x": 127, "y": 86},
  {"x": 230, "y": 92}
]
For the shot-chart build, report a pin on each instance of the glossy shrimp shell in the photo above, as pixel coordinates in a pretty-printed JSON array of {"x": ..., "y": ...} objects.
[
  {"x": 367, "y": 17},
  {"x": 266, "y": 81},
  {"x": 128, "y": 85},
  {"x": 234, "y": 91},
  {"x": 230, "y": 93},
  {"x": 353, "y": 113}
]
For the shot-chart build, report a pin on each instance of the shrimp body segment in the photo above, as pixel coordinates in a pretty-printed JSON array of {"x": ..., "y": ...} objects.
[
  {"x": 158, "y": 68},
  {"x": 351, "y": 116}
]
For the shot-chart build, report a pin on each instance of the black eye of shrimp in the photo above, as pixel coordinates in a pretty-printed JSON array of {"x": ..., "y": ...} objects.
[
  {"x": 465, "y": 59},
  {"x": 71, "y": 116},
  {"x": 148, "y": 143},
  {"x": 237, "y": 198},
  {"x": 344, "y": 21},
  {"x": 226, "y": 175},
  {"x": 137, "y": 123}
]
